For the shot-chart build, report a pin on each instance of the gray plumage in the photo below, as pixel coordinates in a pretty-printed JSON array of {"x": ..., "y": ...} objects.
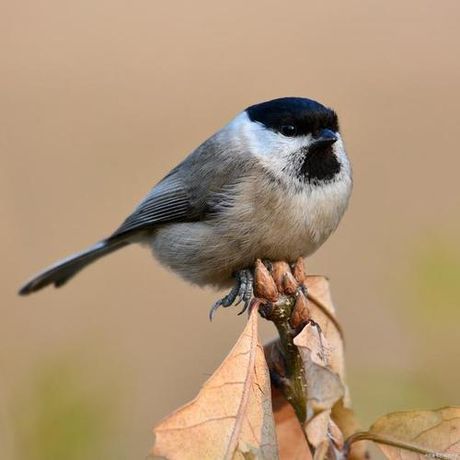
[{"x": 248, "y": 192}]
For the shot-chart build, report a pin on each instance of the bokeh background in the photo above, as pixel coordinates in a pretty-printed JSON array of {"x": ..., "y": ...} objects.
[{"x": 99, "y": 99}]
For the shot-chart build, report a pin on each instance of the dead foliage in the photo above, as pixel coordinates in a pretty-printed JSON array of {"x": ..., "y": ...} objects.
[{"x": 289, "y": 399}]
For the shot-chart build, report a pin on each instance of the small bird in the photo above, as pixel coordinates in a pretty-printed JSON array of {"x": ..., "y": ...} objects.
[{"x": 272, "y": 184}]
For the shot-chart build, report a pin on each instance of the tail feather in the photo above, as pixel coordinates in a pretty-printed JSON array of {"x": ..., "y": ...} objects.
[{"x": 59, "y": 273}]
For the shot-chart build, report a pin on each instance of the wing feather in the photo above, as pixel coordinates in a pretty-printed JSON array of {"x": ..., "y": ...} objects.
[
  {"x": 190, "y": 191},
  {"x": 167, "y": 202}
]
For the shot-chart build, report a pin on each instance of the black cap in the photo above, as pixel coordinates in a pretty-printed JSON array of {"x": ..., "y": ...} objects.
[{"x": 294, "y": 116}]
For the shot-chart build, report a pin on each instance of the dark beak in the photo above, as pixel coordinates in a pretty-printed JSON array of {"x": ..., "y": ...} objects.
[{"x": 325, "y": 138}]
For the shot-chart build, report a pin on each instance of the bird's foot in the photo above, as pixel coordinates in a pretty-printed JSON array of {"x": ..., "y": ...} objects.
[{"x": 243, "y": 291}]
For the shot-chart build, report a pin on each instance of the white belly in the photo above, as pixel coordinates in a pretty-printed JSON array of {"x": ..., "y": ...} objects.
[
  {"x": 287, "y": 225},
  {"x": 273, "y": 225}
]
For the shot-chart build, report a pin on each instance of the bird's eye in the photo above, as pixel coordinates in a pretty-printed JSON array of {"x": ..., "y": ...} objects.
[{"x": 288, "y": 130}]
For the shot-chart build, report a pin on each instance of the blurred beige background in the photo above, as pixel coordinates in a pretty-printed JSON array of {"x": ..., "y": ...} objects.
[{"x": 99, "y": 99}]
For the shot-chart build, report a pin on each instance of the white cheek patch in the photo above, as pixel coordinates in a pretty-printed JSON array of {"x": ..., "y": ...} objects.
[
  {"x": 264, "y": 143},
  {"x": 273, "y": 149}
]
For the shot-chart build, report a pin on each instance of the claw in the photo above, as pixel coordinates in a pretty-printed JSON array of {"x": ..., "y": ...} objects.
[
  {"x": 243, "y": 291},
  {"x": 225, "y": 302},
  {"x": 213, "y": 310},
  {"x": 245, "y": 307},
  {"x": 247, "y": 289}
]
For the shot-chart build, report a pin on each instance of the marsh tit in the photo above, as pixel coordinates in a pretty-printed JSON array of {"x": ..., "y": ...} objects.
[{"x": 272, "y": 184}]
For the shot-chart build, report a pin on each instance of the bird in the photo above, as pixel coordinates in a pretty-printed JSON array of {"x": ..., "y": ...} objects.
[{"x": 272, "y": 184}]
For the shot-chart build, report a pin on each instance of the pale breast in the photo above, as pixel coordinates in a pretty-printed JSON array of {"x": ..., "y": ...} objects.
[
  {"x": 255, "y": 220},
  {"x": 279, "y": 223}
]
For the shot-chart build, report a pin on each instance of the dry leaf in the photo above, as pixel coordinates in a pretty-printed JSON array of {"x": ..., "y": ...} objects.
[
  {"x": 231, "y": 418},
  {"x": 321, "y": 348},
  {"x": 322, "y": 311},
  {"x": 433, "y": 434},
  {"x": 324, "y": 351},
  {"x": 292, "y": 444},
  {"x": 325, "y": 387},
  {"x": 325, "y": 437},
  {"x": 346, "y": 421}
]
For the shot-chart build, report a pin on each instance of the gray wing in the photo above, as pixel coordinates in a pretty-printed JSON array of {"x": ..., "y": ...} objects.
[
  {"x": 167, "y": 202},
  {"x": 190, "y": 192}
]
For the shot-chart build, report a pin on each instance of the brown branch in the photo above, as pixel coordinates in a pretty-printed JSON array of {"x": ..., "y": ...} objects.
[{"x": 285, "y": 362}]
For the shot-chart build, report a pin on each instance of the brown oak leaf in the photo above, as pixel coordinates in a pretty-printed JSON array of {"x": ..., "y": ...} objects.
[
  {"x": 417, "y": 435},
  {"x": 325, "y": 387},
  {"x": 232, "y": 417},
  {"x": 292, "y": 444}
]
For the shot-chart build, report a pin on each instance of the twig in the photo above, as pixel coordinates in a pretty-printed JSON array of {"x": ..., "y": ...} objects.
[{"x": 292, "y": 380}]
